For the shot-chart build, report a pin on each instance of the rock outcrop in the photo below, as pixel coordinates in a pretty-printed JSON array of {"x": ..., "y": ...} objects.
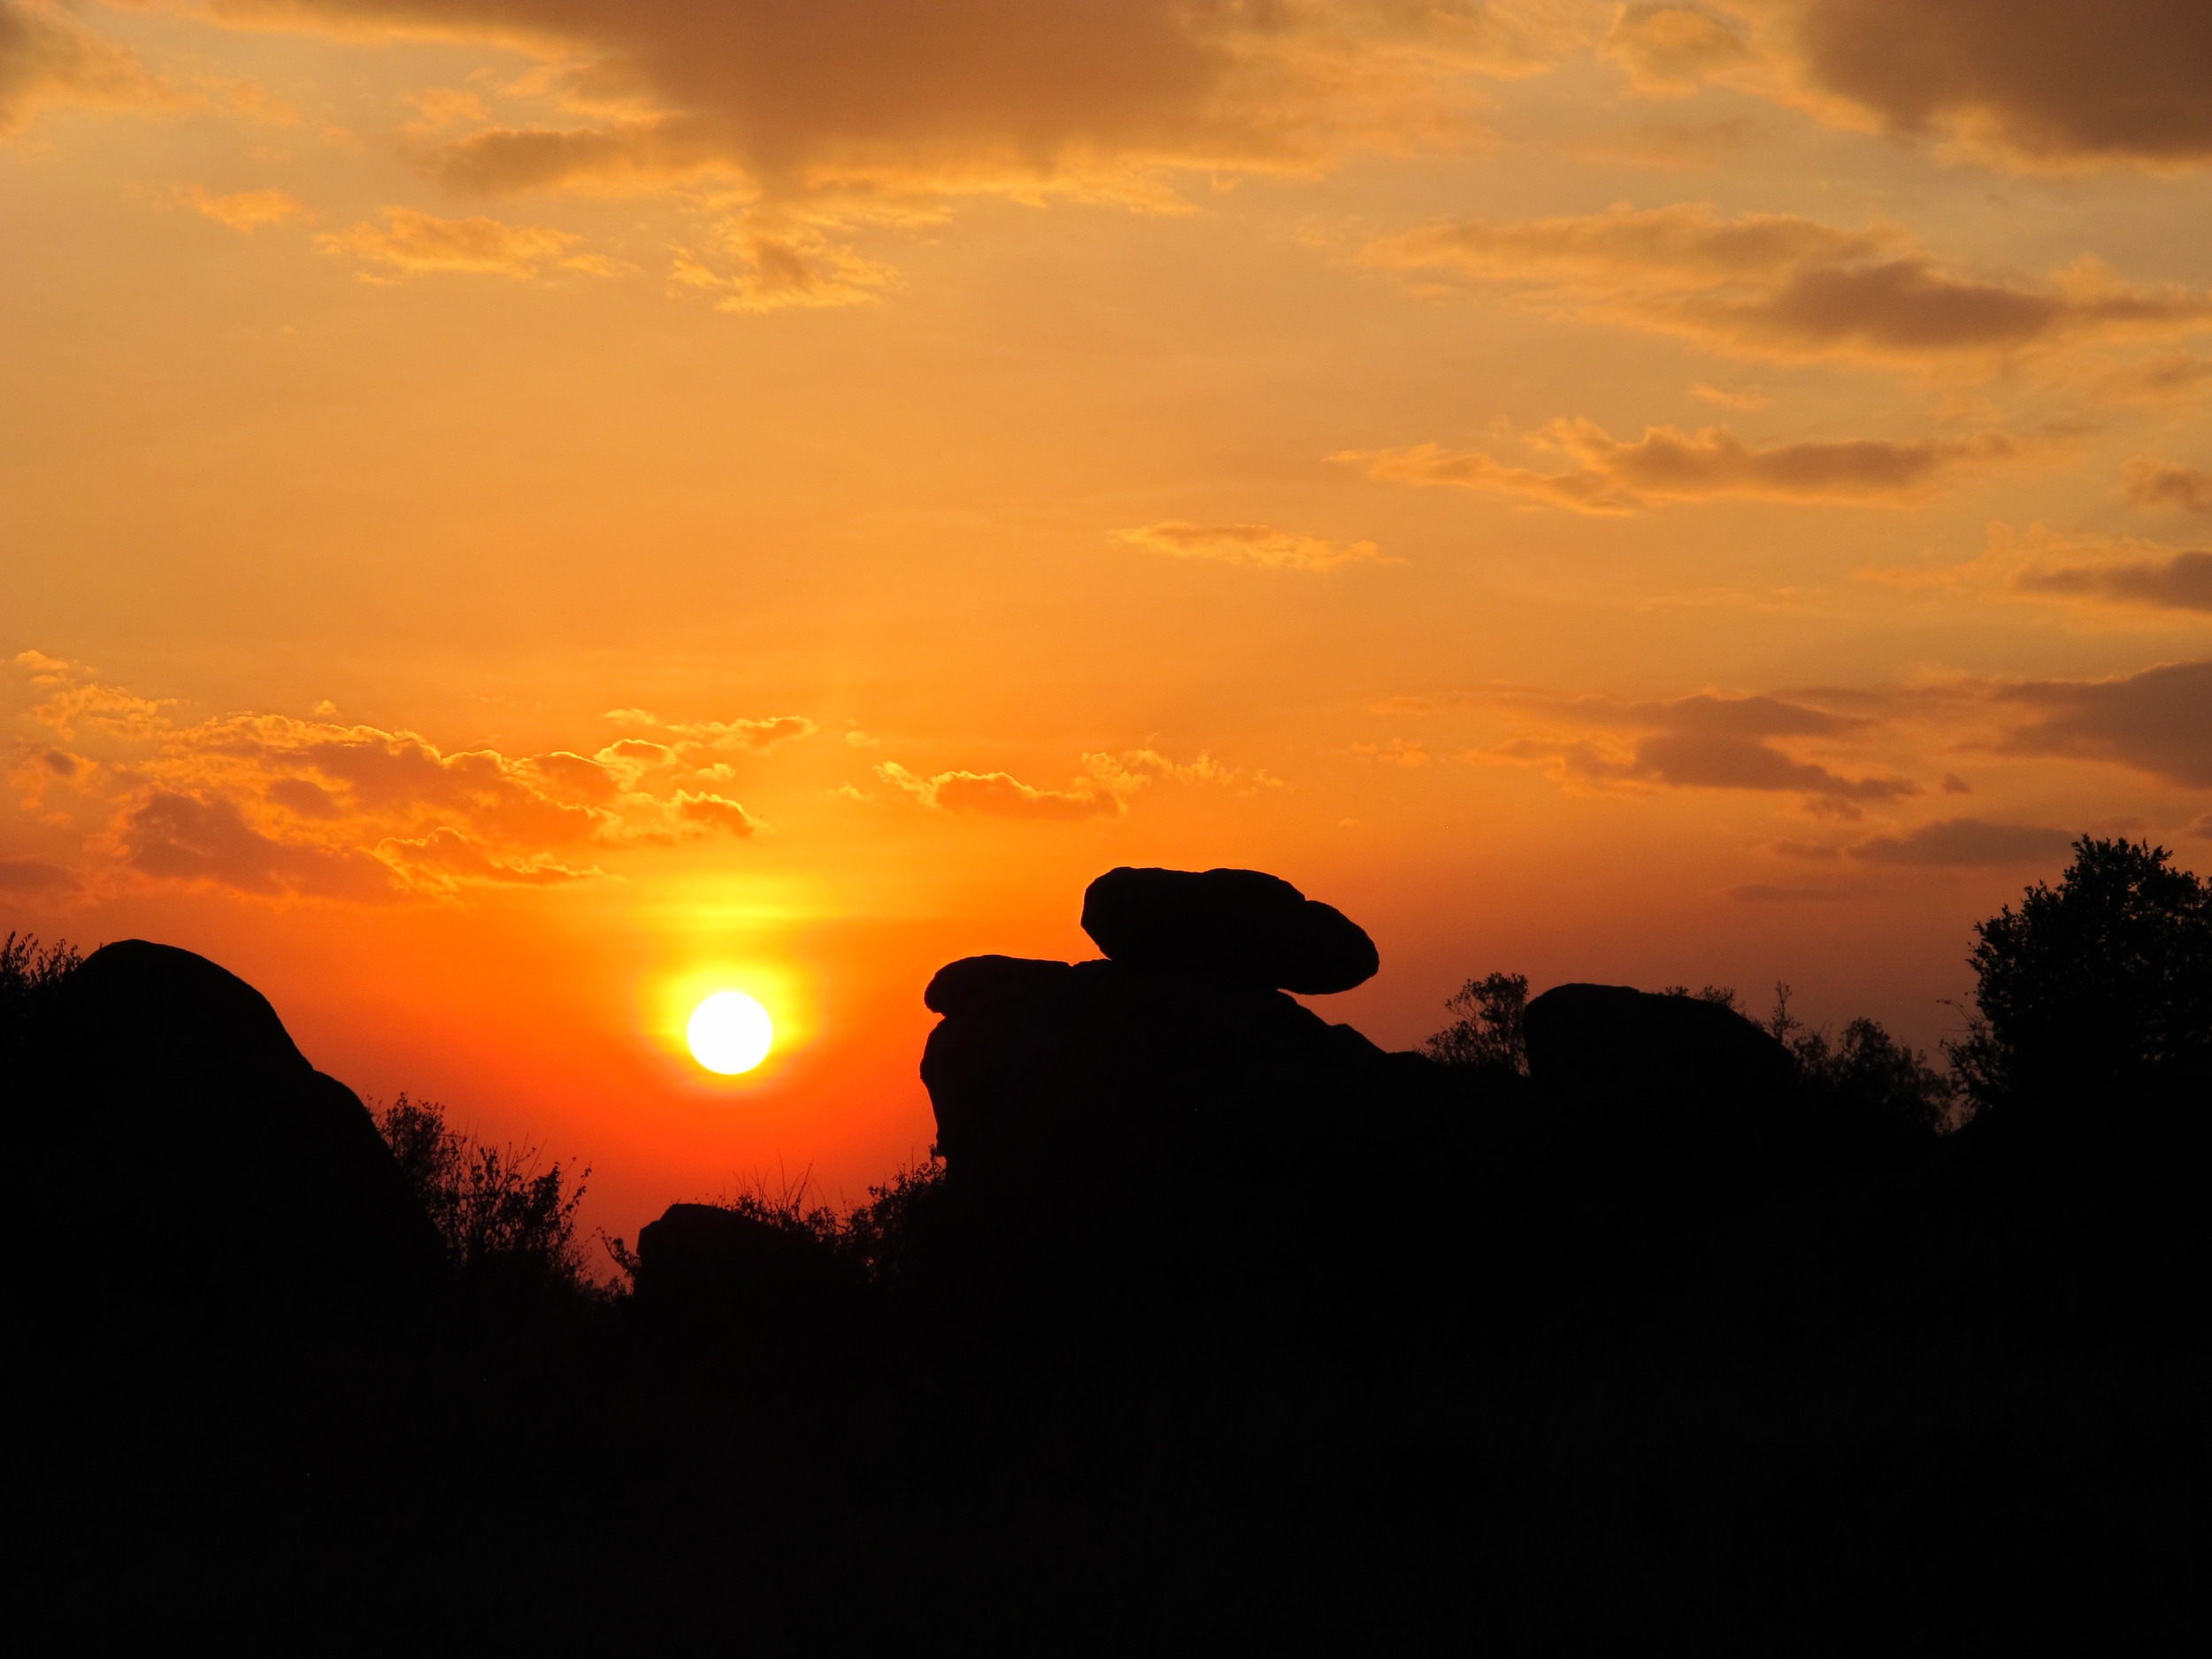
[
  {"x": 1168, "y": 1108},
  {"x": 188, "y": 1158},
  {"x": 708, "y": 1268}
]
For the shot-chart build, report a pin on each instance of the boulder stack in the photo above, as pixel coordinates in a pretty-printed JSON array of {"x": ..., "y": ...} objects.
[{"x": 1169, "y": 1109}]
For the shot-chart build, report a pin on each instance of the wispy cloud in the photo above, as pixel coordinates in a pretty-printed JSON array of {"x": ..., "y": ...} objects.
[
  {"x": 1260, "y": 546},
  {"x": 245, "y": 210},
  {"x": 412, "y": 243},
  {"x": 1784, "y": 286},
  {"x": 1615, "y": 475}
]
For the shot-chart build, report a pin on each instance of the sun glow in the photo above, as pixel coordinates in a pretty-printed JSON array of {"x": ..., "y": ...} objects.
[{"x": 730, "y": 1033}]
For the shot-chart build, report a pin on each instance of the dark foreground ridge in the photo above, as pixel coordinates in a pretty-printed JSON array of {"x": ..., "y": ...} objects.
[{"x": 1608, "y": 1316}]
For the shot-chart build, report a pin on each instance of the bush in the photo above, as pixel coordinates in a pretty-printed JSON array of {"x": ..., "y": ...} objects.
[
  {"x": 30, "y": 974},
  {"x": 1488, "y": 1033},
  {"x": 498, "y": 1214},
  {"x": 1866, "y": 1074}
]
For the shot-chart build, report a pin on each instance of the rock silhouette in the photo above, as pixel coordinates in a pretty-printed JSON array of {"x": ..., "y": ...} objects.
[
  {"x": 1145, "y": 1111},
  {"x": 704, "y": 1267},
  {"x": 1238, "y": 924},
  {"x": 202, "y": 1160}
]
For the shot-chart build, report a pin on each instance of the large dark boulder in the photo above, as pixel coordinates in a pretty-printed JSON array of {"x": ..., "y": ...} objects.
[
  {"x": 1612, "y": 1045},
  {"x": 1666, "y": 1113},
  {"x": 707, "y": 1268},
  {"x": 187, "y": 1158},
  {"x": 1236, "y": 925}
]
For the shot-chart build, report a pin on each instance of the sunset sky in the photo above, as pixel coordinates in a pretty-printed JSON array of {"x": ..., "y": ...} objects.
[{"x": 516, "y": 514}]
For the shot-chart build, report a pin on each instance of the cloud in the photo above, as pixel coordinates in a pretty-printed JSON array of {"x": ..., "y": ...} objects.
[
  {"x": 2047, "y": 85},
  {"x": 443, "y": 860},
  {"x": 1782, "y": 287},
  {"x": 2158, "y": 721},
  {"x": 34, "y": 878},
  {"x": 2044, "y": 564},
  {"x": 2159, "y": 377},
  {"x": 2052, "y": 86},
  {"x": 2181, "y": 582},
  {"x": 275, "y": 806},
  {"x": 191, "y": 838},
  {"x": 891, "y": 101},
  {"x": 2148, "y": 482},
  {"x": 1667, "y": 464},
  {"x": 247, "y": 210},
  {"x": 755, "y": 737},
  {"x": 1002, "y": 795},
  {"x": 1672, "y": 50},
  {"x": 47, "y": 56},
  {"x": 1703, "y": 742},
  {"x": 1694, "y": 761},
  {"x": 1964, "y": 842},
  {"x": 1103, "y": 790},
  {"x": 713, "y": 810},
  {"x": 1750, "y": 398},
  {"x": 414, "y": 244},
  {"x": 1259, "y": 546}
]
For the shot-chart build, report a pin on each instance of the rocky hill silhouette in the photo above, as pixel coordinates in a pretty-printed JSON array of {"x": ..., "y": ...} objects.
[{"x": 1212, "y": 1324}]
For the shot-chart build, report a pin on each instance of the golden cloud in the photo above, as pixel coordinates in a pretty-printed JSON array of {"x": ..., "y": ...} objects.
[
  {"x": 1783, "y": 287},
  {"x": 271, "y": 805},
  {"x": 412, "y": 243},
  {"x": 48, "y": 56},
  {"x": 246, "y": 211},
  {"x": 1260, "y": 546},
  {"x": 1102, "y": 790},
  {"x": 1669, "y": 464}
]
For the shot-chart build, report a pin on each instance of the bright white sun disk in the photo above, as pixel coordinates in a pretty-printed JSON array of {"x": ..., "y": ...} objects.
[{"x": 730, "y": 1033}]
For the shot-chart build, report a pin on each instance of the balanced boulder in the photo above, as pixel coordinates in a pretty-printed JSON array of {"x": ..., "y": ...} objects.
[{"x": 1238, "y": 924}]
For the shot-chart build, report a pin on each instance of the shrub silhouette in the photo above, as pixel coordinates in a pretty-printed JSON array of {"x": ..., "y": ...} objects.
[
  {"x": 499, "y": 1215},
  {"x": 1866, "y": 1074},
  {"x": 1488, "y": 1033},
  {"x": 30, "y": 974},
  {"x": 2102, "y": 983}
]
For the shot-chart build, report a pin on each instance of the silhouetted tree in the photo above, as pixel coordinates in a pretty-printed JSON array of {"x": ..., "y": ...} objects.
[
  {"x": 497, "y": 1213},
  {"x": 2103, "y": 982},
  {"x": 1866, "y": 1073},
  {"x": 1488, "y": 1031}
]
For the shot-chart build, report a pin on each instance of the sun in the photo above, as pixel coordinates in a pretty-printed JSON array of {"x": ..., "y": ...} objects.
[{"x": 730, "y": 1033}]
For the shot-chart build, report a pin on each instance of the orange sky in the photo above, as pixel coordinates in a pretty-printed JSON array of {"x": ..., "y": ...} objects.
[{"x": 517, "y": 513}]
